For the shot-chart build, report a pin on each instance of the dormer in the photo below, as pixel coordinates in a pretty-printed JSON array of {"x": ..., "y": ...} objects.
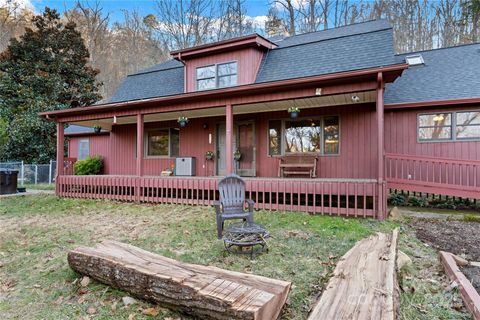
[{"x": 223, "y": 64}]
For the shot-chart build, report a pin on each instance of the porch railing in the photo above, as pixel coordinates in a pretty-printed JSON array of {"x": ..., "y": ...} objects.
[
  {"x": 433, "y": 175},
  {"x": 332, "y": 197}
]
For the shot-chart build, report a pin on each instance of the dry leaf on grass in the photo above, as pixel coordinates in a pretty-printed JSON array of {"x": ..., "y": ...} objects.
[
  {"x": 59, "y": 300},
  {"x": 131, "y": 316},
  {"x": 91, "y": 310},
  {"x": 85, "y": 281},
  {"x": 150, "y": 312}
]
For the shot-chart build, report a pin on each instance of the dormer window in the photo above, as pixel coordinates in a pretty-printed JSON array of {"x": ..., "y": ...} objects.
[
  {"x": 414, "y": 60},
  {"x": 217, "y": 76}
]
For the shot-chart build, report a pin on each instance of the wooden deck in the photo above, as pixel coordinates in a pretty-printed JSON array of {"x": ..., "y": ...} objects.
[{"x": 346, "y": 197}]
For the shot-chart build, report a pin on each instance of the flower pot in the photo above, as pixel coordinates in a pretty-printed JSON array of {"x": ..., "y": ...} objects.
[
  {"x": 182, "y": 124},
  {"x": 97, "y": 129},
  {"x": 237, "y": 157},
  {"x": 208, "y": 157},
  {"x": 294, "y": 115}
]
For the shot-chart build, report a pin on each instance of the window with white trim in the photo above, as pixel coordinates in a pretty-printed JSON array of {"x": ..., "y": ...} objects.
[
  {"x": 317, "y": 135},
  {"x": 449, "y": 126},
  {"x": 220, "y": 75},
  {"x": 83, "y": 149},
  {"x": 162, "y": 142}
]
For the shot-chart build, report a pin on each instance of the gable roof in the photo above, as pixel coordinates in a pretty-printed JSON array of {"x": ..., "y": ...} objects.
[
  {"x": 354, "y": 47},
  {"x": 448, "y": 74}
]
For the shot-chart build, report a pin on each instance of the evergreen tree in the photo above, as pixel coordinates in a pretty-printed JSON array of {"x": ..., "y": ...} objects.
[{"x": 45, "y": 70}]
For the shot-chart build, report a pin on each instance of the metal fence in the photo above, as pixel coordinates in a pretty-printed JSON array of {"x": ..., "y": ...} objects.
[{"x": 32, "y": 173}]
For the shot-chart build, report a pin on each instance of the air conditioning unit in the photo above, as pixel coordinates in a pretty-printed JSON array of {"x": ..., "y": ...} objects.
[{"x": 185, "y": 166}]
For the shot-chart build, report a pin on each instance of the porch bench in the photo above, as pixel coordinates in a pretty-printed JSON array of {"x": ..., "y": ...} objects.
[{"x": 298, "y": 165}]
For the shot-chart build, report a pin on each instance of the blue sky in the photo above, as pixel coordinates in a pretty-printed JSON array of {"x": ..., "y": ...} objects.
[{"x": 254, "y": 7}]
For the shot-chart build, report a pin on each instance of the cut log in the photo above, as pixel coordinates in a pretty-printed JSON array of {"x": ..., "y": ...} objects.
[
  {"x": 364, "y": 284},
  {"x": 202, "y": 291}
]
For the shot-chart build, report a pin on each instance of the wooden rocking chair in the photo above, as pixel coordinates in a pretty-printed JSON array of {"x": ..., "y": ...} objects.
[{"x": 232, "y": 202}]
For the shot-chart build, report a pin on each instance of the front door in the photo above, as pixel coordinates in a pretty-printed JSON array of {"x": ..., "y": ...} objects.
[
  {"x": 246, "y": 145},
  {"x": 221, "y": 149}
]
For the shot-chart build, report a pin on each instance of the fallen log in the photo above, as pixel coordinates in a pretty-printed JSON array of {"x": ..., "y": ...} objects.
[
  {"x": 202, "y": 291},
  {"x": 364, "y": 284}
]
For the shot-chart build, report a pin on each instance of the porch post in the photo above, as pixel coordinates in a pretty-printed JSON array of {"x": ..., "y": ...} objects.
[
  {"x": 382, "y": 194},
  {"x": 60, "y": 154},
  {"x": 229, "y": 138},
  {"x": 140, "y": 145}
]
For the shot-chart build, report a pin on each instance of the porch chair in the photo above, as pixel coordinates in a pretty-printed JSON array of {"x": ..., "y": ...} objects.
[{"x": 232, "y": 201}]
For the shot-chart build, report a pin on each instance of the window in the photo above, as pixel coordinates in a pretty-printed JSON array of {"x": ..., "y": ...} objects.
[
  {"x": 414, "y": 60},
  {"x": 217, "y": 76},
  {"x": 162, "y": 142},
  {"x": 319, "y": 135},
  {"x": 449, "y": 126},
  {"x": 435, "y": 126},
  {"x": 83, "y": 149},
  {"x": 468, "y": 125}
]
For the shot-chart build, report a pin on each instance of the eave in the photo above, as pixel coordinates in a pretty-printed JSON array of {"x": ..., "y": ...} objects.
[
  {"x": 253, "y": 40},
  {"x": 390, "y": 73},
  {"x": 434, "y": 103}
]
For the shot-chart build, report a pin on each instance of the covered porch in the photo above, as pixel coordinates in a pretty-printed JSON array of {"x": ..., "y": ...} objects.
[{"x": 350, "y": 161}]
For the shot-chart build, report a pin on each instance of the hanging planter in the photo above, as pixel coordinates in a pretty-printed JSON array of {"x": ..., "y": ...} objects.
[
  {"x": 97, "y": 129},
  {"x": 294, "y": 111},
  {"x": 182, "y": 121},
  {"x": 209, "y": 155},
  {"x": 237, "y": 155}
]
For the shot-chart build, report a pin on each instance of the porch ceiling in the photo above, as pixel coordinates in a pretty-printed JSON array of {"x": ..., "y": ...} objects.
[{"x": 313, "y": 102}]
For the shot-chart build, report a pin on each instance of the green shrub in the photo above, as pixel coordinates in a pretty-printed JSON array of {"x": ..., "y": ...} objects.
[
  {"x": 418, "y": 202},
  {"x": 396, "y": 199},
  {"x": 447, "y": 204},
  {"x": 89, "y": 166}
]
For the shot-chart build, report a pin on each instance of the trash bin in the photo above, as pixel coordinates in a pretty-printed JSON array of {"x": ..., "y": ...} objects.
[{"x": 8, "y": 181}]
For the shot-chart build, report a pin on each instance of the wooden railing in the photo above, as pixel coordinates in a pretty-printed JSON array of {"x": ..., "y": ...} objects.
[
  {"x": 332, "y": 197},
  {"x": 433, "y": 175}
]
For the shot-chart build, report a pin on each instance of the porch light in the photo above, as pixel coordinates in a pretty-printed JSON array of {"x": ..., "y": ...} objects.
[
  {"x": 438, "y": 118},
  {"x": 182, "y": 121}
]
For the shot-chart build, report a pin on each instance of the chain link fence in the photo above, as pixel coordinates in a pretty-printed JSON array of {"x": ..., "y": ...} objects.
[{"x": 32, "y": 173}]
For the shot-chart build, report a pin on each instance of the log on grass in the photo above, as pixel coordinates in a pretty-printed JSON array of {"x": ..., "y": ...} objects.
[
  {"x": 364, "y": 283},
  {"x": 202, "y": 291}
]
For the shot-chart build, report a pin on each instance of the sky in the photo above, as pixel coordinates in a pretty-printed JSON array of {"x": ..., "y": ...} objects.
[{"x": 113, "y": 7}]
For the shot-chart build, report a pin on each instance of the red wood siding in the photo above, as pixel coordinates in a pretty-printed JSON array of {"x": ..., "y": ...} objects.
[
  {"x": 248, "y": 61},
  {"x": 98, "y": 144},
  {"x": 401, "y": 136}
]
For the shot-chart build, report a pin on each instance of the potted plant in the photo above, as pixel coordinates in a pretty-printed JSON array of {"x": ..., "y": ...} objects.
[
  {"x": 209, "y": 155},
  {"x": 97, "y": 129},
  {"x": 182, "y": 121},
  {"x": 294, "y": 111},
  {"x": 237, "y": 155}
]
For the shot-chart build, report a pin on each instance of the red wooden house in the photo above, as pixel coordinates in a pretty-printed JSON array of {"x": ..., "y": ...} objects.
[{"x": 372, "y": 120}]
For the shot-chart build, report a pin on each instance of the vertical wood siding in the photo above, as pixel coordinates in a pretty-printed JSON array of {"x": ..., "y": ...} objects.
[
  {"x": 248, "y": 61},
  {"x": 98, "y": 145}
]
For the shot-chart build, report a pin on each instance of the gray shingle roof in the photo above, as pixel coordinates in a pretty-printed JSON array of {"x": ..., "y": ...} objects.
[
  {"x": 449, "y": 73},
  {"x": 353, "y": 47}
]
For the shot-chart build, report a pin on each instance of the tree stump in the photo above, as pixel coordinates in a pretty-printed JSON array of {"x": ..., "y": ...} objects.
[{"x": 202, "y": 291}]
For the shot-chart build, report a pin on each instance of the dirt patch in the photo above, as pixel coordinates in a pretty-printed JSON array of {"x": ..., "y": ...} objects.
[
  {"x": 458, "y": 237},
  {"x": 473, "y": 274}
]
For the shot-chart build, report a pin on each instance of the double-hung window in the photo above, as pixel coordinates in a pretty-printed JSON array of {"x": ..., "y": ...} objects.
[
  {"x": 162, "y": 142},
  {"x": 216, "y": 76},
  {"x": 83, "y": 149},
  {"x": 318, "y": 135},
  {"x": 449, "y": 126}
]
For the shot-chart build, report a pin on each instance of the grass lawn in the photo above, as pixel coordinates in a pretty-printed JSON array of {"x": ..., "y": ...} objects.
[
  {"x": 37, "y": 232},
  {"x": 39, "y": 186}
]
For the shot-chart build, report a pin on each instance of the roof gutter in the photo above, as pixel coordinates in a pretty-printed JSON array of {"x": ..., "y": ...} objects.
[
  {"x": 397, "y": 69},
  {"x": 434, "y": 103}
]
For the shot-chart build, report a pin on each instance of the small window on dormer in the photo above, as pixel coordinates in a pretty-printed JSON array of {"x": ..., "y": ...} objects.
[
  {"x": 217, "y": 76},
  {"x": 414, "y": 60}
]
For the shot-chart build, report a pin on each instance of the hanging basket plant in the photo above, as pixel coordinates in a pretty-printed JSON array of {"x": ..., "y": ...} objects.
[
  {"x": 209, "y": 155},
  {"x": 182, "y": 121},
  {"x": 294, "y": 111},
  {"x": 97, "y": 129},
  {"x": 237, "y": 155}
]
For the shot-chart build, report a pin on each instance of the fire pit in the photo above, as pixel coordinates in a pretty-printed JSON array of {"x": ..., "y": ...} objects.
[{"x": 246, "y": 238}]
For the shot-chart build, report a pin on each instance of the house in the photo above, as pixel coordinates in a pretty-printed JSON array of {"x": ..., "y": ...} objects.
[{"x": 373, "y": 120}]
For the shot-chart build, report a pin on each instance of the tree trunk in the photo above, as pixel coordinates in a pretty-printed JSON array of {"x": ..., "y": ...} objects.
[{"x": 202, "y": 291}]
